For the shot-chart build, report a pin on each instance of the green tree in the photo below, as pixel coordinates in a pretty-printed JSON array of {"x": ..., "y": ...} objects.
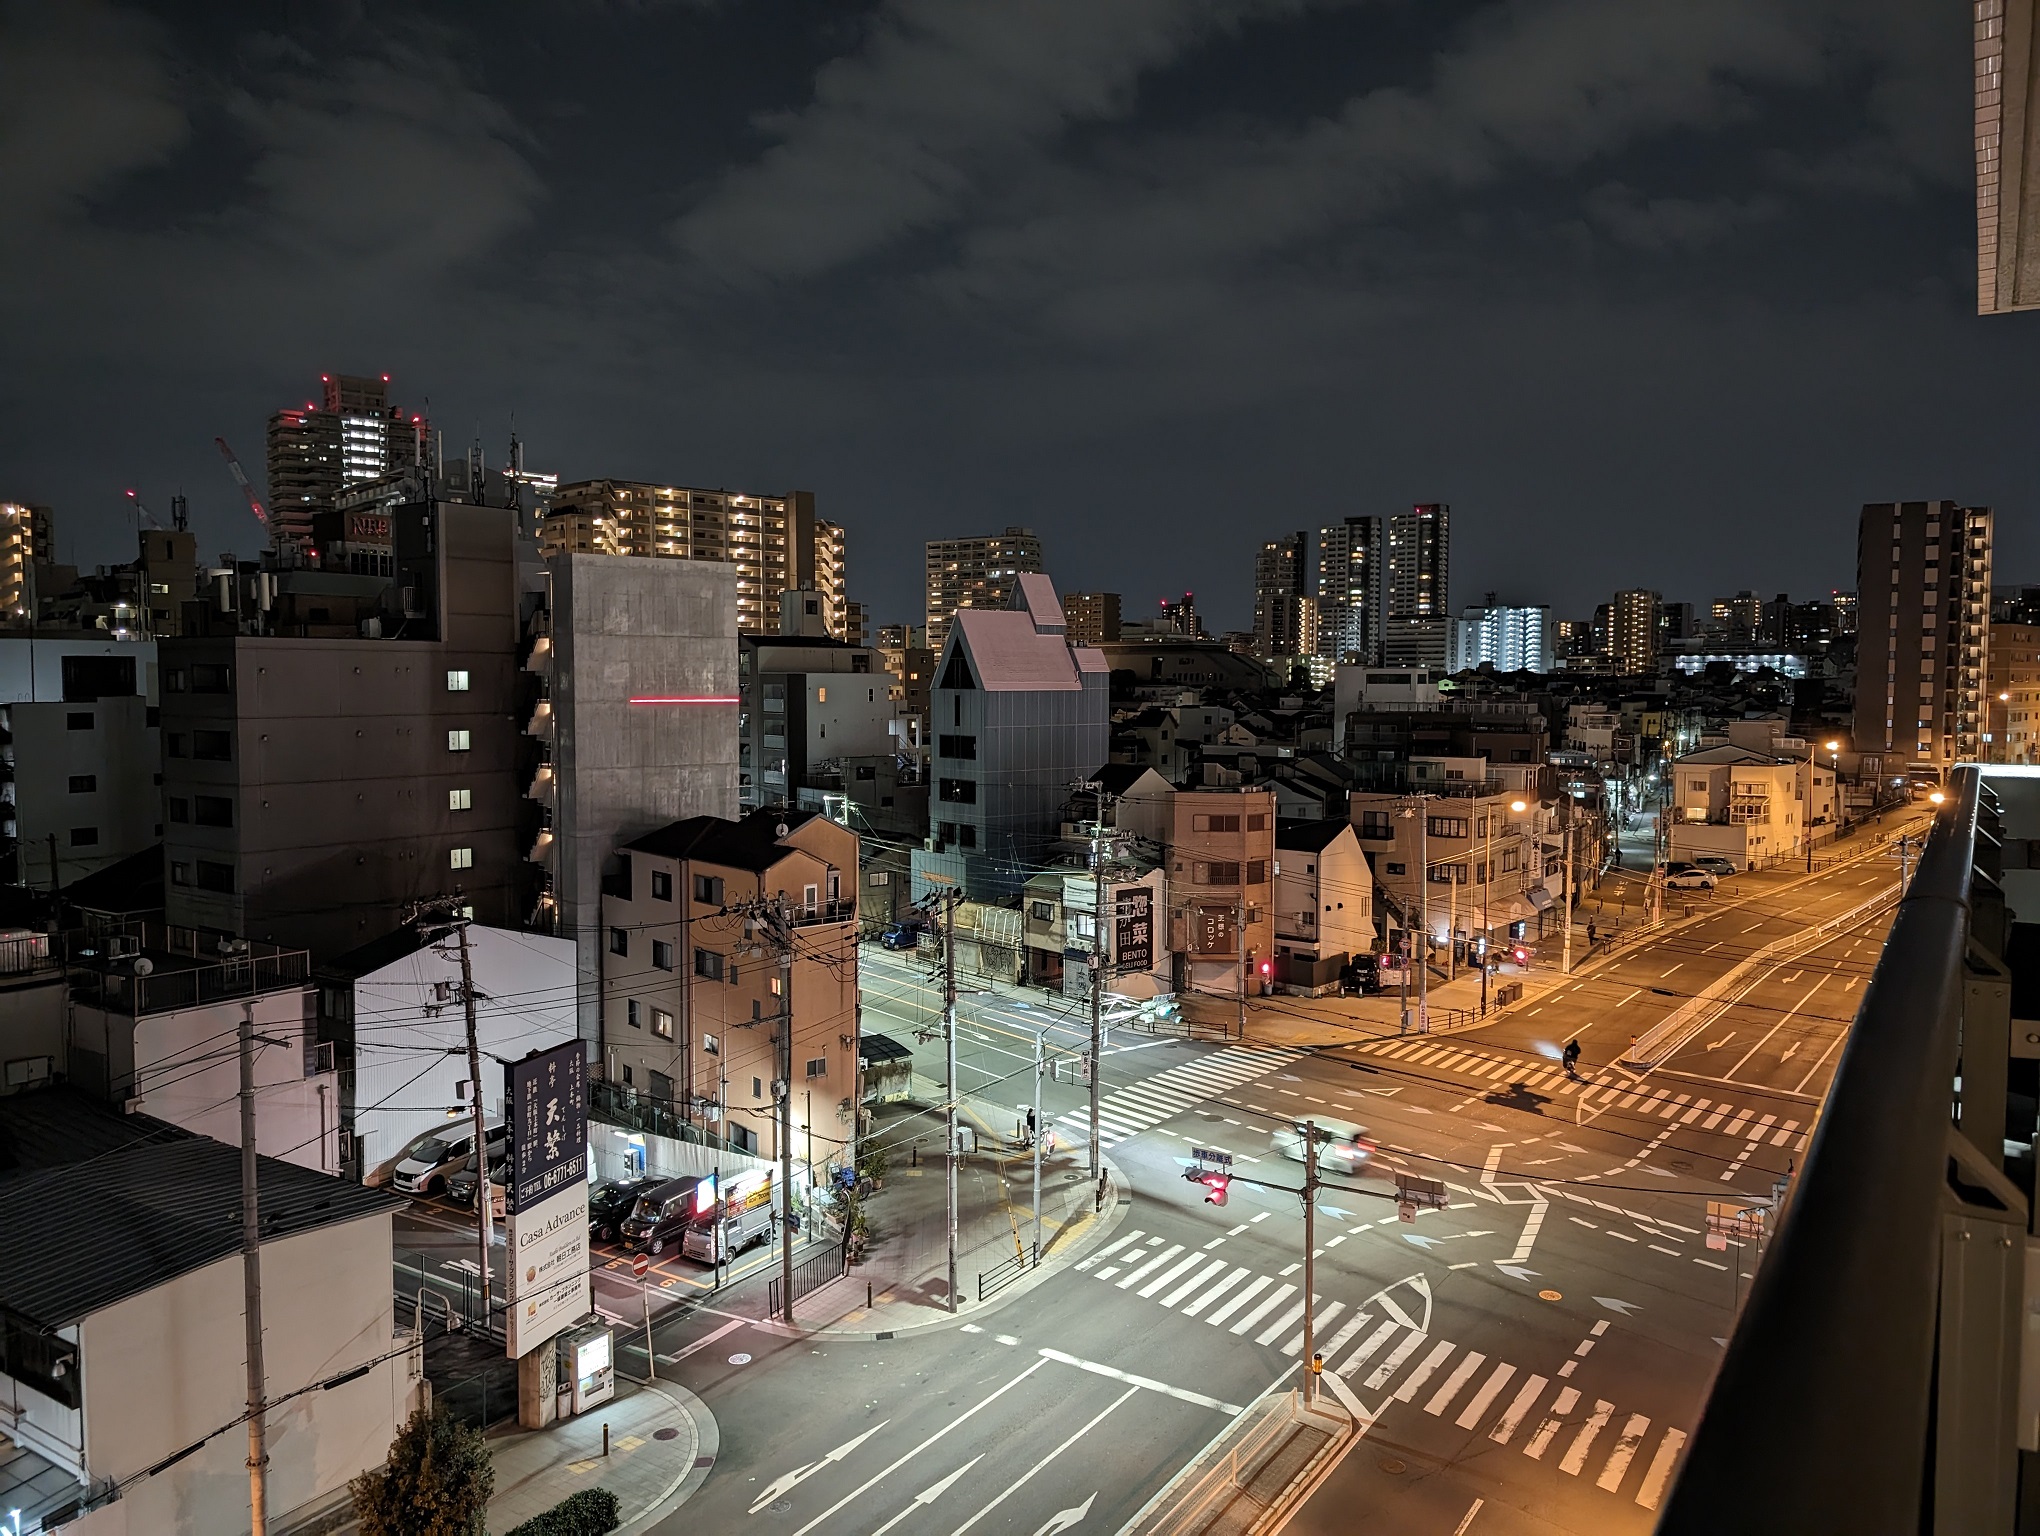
[{"x": 437, "y": 1482}]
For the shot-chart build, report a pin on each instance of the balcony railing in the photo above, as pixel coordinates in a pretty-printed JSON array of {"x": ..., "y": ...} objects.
[{"x": 841, "y": 911}]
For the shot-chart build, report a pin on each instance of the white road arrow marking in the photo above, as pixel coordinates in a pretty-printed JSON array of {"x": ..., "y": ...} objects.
[
  {"x": 928, "y": 1496},
  {"x": 1517, "y": 1270},
  {"x": 1062, "y": 1520},
  {"x": 1791, "y": 1051},
  {"x": 794, "y": 1479},
  {"x": 1421, "y": 1242},
  {"x": 1566, "y": 1146},
  {"x": 1715, "y": 1045},
  {"x": 1614, "y": 1304},
  {"x": 1385, "y": 1093}
]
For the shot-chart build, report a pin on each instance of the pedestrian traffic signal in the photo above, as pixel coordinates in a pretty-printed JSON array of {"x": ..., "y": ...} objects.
[{"x": 1521, "y": 955}]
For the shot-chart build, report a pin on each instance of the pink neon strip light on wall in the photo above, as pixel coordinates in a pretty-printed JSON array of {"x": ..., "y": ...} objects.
[{"x": 686, "y": 698}]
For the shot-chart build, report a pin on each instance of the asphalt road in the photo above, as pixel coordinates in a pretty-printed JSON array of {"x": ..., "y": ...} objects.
[{"x": 1532, "y": 1356}]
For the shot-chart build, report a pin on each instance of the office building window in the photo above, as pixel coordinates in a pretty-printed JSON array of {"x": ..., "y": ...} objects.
[
  {"x": 630, "y": 1013},
  {"x": 1214, "y": 823},
  {"x": 662, "y": 954},
  {"x": 84, "y": 783},
  {"x": 619, "y": 941},
  {"x": 708, "y": 963},
  {"x": 456, "y": 682},
  {"x": 212, "y": 746},
  {"x": 211, "y": 677},
  {"x": 462, "y": 858},
  {"x": 1376, "y": 824},
  {"x": 1447, "y": 826},
  {"x": 662, "y": 1023},
  {"x": 1257, "y": 871},
  {"x": 459, "y": 741},
  {"x": 662, "y": 885},
  {"x": 212, "y": 810},
  {"x": 215, "y": 877},
  {"x": 84, "y": 837},
  {"x": 460, "y": 799}
]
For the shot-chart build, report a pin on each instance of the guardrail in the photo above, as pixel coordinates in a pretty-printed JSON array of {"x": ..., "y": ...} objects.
[
  {"x": 809, "y": 1276},
  {"x": 1823, "y": 1415},
  {"x": 999, "y": 1276},
  {"x": 1742, "y": 978}
]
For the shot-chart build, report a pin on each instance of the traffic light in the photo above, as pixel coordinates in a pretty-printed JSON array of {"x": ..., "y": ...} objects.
[
  {"x": 1215, "y": 1186},
  {"x": 1521, "y": 955}
]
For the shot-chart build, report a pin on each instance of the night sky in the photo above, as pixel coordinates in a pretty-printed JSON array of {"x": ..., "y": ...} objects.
[{"x": 1653, "y": 294}]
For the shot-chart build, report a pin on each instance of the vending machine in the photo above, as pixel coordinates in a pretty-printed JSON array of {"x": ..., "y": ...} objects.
[{"x": 588, "y": 1366}]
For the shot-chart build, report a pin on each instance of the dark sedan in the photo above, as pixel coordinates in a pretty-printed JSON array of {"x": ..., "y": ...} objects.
[{"x": 610, "y": 1201}]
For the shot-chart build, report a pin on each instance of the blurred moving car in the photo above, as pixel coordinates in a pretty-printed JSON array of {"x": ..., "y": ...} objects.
[
  {"x": 1715, "y": 865},
  {"x": 1343, "y": 1147},
  {"x": 1691, "y": 878}
]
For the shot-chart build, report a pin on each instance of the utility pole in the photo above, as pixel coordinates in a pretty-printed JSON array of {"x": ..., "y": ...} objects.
[
  {"x": 434, "y": 920},
  {"x": 483, "y": 1204},
  {"x": 781, "y": 920},
  {"x": 1097, "y": 976},
  {"x": 1565, "y": 894},
  {"x": 1806, "y": 810},
  {"x": 251, "y": 1287},
  {"x": 1310, "y": 1183},
  {"x": 1487, "y": 921},
  {"x": 1424, "y": 906},
  {"x": 1242, "y": 946},
  {"x": 1036, "y": 1139},
  {"x": 949, "y": 1078}
]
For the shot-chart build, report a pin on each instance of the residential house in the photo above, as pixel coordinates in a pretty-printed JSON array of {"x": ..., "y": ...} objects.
[
  {"x": 1324, "y": 903},
  {"x": 693, "y": 979}
]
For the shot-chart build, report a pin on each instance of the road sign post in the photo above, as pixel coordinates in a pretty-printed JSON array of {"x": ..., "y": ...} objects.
[{"x": 641, "y": 1265}]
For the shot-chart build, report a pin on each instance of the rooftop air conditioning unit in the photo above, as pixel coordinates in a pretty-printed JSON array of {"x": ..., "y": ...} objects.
[{"x": 233, "y": 947}]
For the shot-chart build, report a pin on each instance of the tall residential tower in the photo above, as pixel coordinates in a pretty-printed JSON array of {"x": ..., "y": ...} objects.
[
  {"x": 1417, "y": 585},
  {"x": 355, "y": 435},
  {"x": 979, "y": 572},
  {"x": 1349, "y": 594}
]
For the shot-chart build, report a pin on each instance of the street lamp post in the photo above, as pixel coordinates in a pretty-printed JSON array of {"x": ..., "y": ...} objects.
[{"x": 1487, "y": 884}]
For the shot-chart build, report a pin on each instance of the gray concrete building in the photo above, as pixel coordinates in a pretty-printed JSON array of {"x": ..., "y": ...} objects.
[
  {"x": 315, "y": 784},
  {"x": 1019, "y": 715},
  {"x": 635, "y": 725},
  {"x": 79, "y": 755}
]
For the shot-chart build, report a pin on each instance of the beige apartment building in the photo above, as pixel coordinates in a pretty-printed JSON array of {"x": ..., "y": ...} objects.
[
  {"x": 692, "y": 982},
  {"x": 2012, "y": 704},
  {"x": 1221, "y": 867},
  {"x": 776, "y": 542}
]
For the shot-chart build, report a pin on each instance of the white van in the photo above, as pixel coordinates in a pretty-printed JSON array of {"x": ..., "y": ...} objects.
[
  {"x": 432, "y": 1161},
  {"x": 741, "y": 1218}
]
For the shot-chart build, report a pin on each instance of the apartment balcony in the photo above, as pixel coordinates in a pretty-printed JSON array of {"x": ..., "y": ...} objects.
[{"x": 817, "y": 914}]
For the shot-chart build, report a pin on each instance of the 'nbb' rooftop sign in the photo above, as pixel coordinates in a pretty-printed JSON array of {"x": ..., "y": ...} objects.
[{"x": 548, "y": 1097}]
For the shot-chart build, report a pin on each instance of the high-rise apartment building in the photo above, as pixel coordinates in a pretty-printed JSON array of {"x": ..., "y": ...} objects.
[
  {"x": 1181, "y": 618},
  {"x": 1633, "y": 632},
  {"x": 1280, "y": 595},
  {"x": 1093, "y": 617},
  {"x": 977, "y": 572},
  {"x": 1508, "y": 639},
  {"x": 1416, "y": 585},
  {"x": 316, "y": 452},
  {"x": 2012, "y": 694},
  {"x": 1739, "y": 619},
  {"x": 26, "y": 540},
  {"x": 776, "y": 543},
  {"x": 1572, "y": 637},
  {"x": 1349, "y": 591},
  {"x": 1923, "y": 631}
]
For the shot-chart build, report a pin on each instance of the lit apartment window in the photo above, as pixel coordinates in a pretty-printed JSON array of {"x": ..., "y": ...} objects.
[
  {"x": 460, "y": 799},
  {"x": 463, "y": 858},
  {"x": 459, "y": 741},
  {"x": 457, "y": 682},
  {"x": 662, "y": 1023}
]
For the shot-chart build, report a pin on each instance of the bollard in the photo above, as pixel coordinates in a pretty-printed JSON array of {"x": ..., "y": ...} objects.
[
  {"x": 605, "y": 1439},
  {"x": 867, "y": 1295},
  {"x": 914, "y": 1156}
]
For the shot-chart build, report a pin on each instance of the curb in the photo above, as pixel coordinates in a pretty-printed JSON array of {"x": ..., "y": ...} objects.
[
  {"x": 708, "y": 1443},
  {"x": 1119, "y": 1199}
]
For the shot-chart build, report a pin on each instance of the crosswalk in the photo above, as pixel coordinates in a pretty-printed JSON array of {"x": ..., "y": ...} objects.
[
  {"x": 1389, "y": 1351},
  {"x": 1138, "y": 1106},
  {"x": 1678, "y": 1110}
]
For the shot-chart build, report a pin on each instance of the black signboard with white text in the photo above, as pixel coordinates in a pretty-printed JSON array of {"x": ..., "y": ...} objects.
[{"x": 548, "y": 1098}]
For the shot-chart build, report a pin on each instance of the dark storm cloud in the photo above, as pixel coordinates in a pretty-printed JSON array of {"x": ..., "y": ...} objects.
[{"x": 1654, "y": 293}]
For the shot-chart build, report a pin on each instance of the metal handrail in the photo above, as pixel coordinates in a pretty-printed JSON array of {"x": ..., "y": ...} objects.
[{"x": 1819, "y": 1417}]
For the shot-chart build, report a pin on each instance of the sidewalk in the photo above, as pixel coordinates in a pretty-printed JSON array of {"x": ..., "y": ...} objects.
[
  {"x": 901, "y": 1285},
  {"x": 662, "y": 1443}
]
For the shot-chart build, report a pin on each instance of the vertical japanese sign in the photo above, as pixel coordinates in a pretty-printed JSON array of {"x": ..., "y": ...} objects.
[
  {"x": 548, "y": 1097},
  {"x": 1133, "y": 928}
]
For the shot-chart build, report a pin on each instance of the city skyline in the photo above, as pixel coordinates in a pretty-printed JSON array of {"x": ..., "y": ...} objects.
[{"x": 1635, "y": 356}]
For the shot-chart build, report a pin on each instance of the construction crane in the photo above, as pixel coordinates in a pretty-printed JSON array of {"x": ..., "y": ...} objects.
[
  {"x": 241, "y": 479},
  {"x": 144, "y": 513}
]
